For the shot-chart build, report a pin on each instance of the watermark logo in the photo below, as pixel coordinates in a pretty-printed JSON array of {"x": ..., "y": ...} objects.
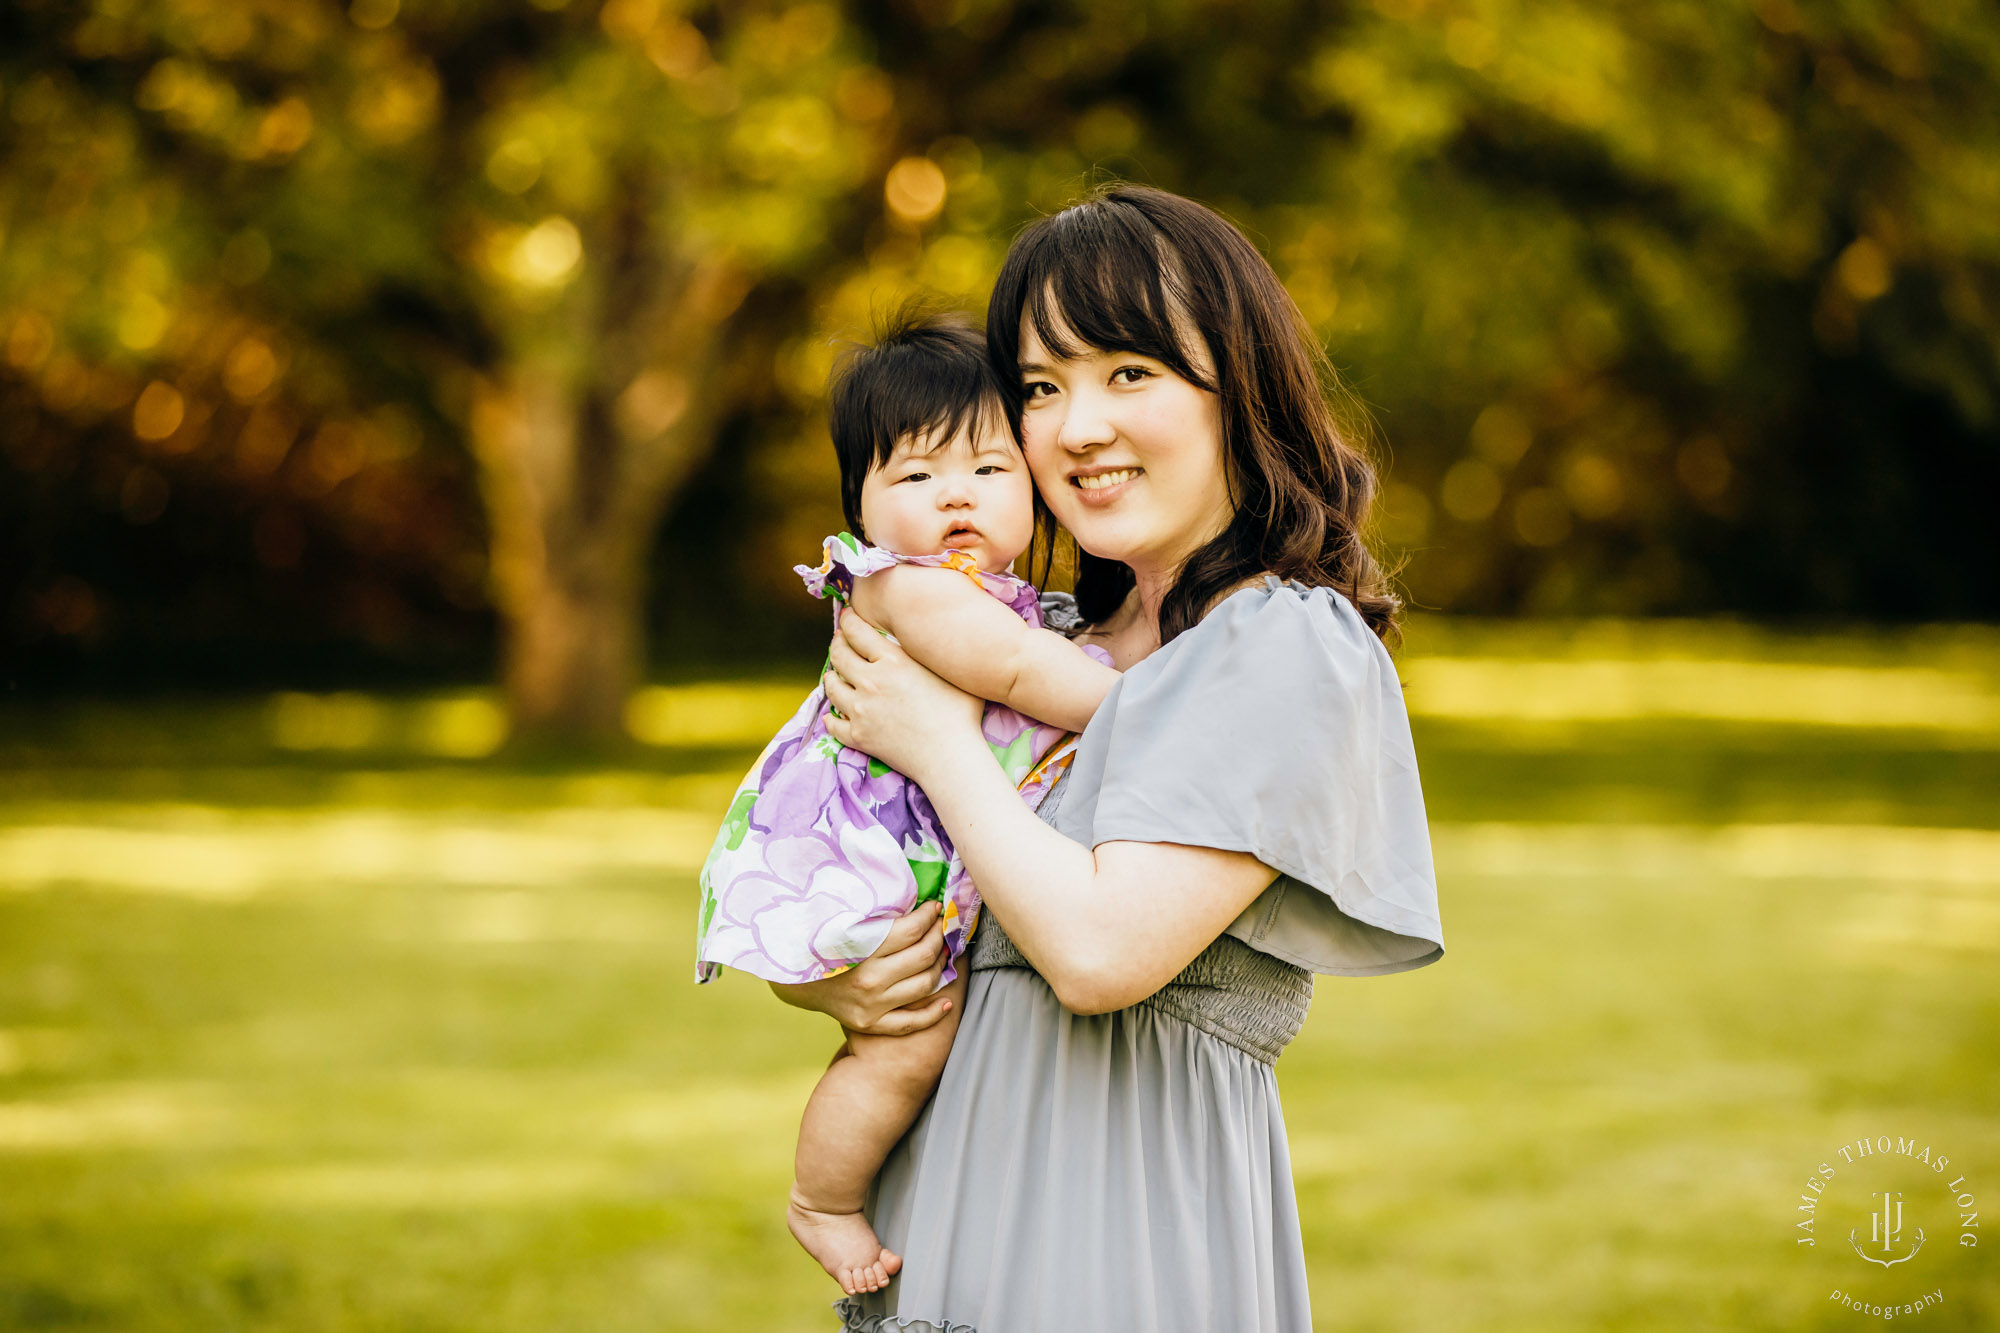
[
  {"x": 1908, "y": 1218},
  {"x": 1885, "y": 1229},
  {"x": 1862, "y": 1305}
]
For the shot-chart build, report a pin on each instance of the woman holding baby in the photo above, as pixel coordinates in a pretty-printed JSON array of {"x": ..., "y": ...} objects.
[{"x": 1105, "y": 1149}]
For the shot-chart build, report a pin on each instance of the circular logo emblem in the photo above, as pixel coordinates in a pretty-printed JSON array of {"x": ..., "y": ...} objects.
[{"x": 1888, "y": 1223}]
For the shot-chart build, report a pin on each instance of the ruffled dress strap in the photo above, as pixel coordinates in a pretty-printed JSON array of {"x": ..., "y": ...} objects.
[{"x": 848, "y": 558}]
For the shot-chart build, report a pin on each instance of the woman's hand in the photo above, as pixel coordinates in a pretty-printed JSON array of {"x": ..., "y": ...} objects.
[
  {"x": 890, "y": 706},
  {"x": 884, "y": 995}
]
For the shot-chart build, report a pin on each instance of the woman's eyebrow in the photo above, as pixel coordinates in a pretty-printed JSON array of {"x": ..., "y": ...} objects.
[{"x": 1033, "y": 368}]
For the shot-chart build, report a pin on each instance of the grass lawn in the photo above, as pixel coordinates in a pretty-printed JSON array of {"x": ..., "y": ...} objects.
[{"x": 309, "y": 1020}]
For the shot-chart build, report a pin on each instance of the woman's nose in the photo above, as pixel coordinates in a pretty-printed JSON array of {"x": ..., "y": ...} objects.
[{"x": 1085, "y": 424}]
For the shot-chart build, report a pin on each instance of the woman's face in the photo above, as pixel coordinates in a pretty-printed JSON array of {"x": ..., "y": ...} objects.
[{"x": 1127, "y": 453}]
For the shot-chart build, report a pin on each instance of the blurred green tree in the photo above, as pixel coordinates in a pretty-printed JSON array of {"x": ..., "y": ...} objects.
[
  {"x": 535, "y": 224},
  {"x": 1675, "y": 306},
  {"x": 1685, "y": 305}
]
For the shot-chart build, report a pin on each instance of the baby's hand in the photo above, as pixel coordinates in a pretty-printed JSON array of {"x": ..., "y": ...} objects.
[{"x": 890, "y": 706}]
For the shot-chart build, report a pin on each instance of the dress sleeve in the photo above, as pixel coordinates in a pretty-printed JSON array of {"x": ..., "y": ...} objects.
[
  {"x": 1276, "y": 727},
  {"x": 847, "y": 559}
]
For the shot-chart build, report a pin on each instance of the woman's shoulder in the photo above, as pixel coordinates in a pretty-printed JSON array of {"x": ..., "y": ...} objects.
[
  {"x": 1280, "y": 625},
  {"x": 1273, "y": 667}
]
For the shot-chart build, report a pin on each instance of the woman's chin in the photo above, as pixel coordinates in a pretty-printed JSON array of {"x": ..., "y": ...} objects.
[{"x": 1109, "y": 536}]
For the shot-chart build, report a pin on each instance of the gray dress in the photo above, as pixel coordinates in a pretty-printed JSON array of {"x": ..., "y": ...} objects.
[{"x": 1128, "y": 1172}]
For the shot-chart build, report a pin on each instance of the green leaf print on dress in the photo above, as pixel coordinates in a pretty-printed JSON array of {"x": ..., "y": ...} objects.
[
  {"x": 737, "y": 822},
  {"x": 735, "y": 827},
  {"x": 931, "y": 877},
  {"x": 1016, "y": 756}
]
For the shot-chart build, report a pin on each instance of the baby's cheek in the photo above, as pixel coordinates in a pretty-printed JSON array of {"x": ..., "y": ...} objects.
[
  {"x": 1018, "y": 496},
  {"x": 887, "y": 520},
  {"x": 1012, "y": 519}
]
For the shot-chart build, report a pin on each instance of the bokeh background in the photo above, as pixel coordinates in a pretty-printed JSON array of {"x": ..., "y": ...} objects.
[{"x": 410, "y": 414}]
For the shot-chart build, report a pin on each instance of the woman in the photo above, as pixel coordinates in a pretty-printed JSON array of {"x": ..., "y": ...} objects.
[{"x": 1106, "y": 1149}]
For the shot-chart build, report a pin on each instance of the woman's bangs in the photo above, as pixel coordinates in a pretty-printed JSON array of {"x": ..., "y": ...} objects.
[{"x": 1092, "y": 283}]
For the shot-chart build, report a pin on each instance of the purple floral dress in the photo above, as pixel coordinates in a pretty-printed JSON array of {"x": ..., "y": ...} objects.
[{"x": 823, "y": 847}]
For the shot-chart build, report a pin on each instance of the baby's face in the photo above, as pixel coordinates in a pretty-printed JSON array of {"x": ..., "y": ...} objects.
[{"x": 973, "y": 494}]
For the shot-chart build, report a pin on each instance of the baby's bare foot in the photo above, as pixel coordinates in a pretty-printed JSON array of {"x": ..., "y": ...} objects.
[{"x": 845, "y": 1245}]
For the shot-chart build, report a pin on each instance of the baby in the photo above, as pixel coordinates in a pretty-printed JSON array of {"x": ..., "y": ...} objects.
[{"x": 824, "y": 847}]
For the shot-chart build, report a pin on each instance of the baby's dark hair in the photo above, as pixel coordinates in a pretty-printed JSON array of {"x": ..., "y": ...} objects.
[{"x": 926, "y": 376}]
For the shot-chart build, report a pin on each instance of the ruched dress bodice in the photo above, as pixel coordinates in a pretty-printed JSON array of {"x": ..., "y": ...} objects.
[{"x": 1231, "y": 991}]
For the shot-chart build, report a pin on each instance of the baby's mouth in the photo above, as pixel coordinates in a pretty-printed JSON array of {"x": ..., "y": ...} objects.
[
  {"x": 961, "y": 534},
  {"x": 1103, "y": 479}
]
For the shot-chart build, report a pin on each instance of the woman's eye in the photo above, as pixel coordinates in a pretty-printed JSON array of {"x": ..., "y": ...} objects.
[
  {"x": 1137, "y": 373},
  {"x": 1038, "y": 389}
]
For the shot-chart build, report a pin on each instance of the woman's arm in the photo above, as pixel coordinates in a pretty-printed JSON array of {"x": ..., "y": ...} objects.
[
  {"x": 977, "y": 644},
  {"x": 1105, "y": 927},
  {"x": 884, "y": 994}
]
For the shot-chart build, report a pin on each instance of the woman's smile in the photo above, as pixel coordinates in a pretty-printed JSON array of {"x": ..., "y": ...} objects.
[{"x": 1102, "y": 486}]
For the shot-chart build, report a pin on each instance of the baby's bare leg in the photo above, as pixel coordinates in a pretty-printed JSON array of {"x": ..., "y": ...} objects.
[{"x": 867, "y": 1099}]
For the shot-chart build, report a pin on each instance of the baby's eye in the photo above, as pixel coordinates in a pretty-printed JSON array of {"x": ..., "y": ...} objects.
[
  {"x": 987, "y": 469},
  {"x": 915, "y": 476},
  {"x": 1136, "y": 372}
]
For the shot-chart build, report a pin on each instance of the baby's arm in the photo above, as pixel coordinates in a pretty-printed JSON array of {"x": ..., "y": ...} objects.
[{"x": 979, "y": 645}]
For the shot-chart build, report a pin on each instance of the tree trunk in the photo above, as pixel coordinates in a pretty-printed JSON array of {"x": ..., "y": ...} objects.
[
  {"x": 584, "y": 437},
  {"x": 573, "y": 501},
  {"x": 575, "y": 650}
]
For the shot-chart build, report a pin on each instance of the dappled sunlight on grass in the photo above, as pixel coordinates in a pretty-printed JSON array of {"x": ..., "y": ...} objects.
[
  {"x": 1932, "y": 681},
  {"x": 1821, "y": 696},
  {"x": 26, "y": 1049},
  {"x": 713, "y": 713},
  {"x": 119, "y": 1116},
  {"x": 1732, "y": 851},
  {"x": 356, "y": 1034},
  {"x": 463, "y": 727},
  {"x": 1925, "y": 889},
  {"x": 594, "y": 1142},
  {"x": 510, "y": 1182},
  {"x": 1595, "y": 1113},
  {"x": 211, "y": 852}
]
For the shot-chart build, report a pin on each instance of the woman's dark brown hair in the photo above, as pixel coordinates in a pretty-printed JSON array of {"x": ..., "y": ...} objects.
[{"x": 1133, "y": 269}]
